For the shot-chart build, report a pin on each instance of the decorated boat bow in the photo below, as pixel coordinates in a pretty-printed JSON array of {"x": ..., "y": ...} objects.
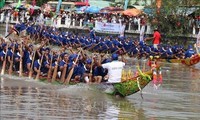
[{"x": 133, "y": 85}]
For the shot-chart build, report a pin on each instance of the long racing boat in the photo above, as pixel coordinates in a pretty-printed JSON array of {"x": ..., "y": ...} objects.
[
  {"x": 188, "y": 61},
  {"x": 123, "y": 89}
]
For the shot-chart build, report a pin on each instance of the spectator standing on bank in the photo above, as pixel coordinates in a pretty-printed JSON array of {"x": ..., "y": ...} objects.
[
  {"x": 156, "y": 38},
  {"x": 142, "y": 31}
]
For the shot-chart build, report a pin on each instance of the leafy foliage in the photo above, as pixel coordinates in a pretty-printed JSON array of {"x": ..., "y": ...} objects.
[{"x": 172, "y": 18}]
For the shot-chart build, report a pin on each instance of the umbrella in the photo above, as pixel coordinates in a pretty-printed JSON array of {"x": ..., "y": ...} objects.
[
  {"x": 111, "y": 10},
  {"x": 92, "y": 9},
  {"x": 13, "y": 4},
  {"x": 81, "y": 4},
  {"x": 132, "y": 12},
  {"x": 81, "y": 9},
  {"x": 149, "y": 11},
  {"x": 6, "y": 7}
]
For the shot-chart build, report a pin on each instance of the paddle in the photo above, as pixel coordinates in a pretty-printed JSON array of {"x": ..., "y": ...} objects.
[
  {"x": 11, "y": 62},
  {"x": 12, "y": 30},
  {"x": 93, "y": 46},
  {"x": 4, "y": 62},
  {"x": 55, "y": 72},
  {"x": 31, "y": 70},
  {"x": 21, "y": 62},
  {"x": 72, "y": 70},
  {"x": 50, "y": 69},
  {"x": 196, "y": 46},
  {"x": 64, "y": 73},
  {"x": 38, "y": 73},
  {"x": 90, "y": 74}
]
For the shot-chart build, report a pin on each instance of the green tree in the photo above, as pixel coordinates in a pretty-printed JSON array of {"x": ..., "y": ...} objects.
[{"x": 173, "y": 16}]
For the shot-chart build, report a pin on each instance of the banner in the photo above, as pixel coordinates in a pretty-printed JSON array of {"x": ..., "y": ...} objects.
[{"x": 112, "y": 28}]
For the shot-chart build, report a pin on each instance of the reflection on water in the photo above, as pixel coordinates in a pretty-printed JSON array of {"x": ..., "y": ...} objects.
[{"x": 177, "y": 98}]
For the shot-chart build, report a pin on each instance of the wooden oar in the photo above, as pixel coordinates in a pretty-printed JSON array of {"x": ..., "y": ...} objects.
[
  {"x": 55, "y": 72},
  {"x": 21, "y": 62},
  {"x": 196, "y": 46},
  {"x": 64, "y": 73},
  {"x": 92, "y": 47},
  {"x": 31, "y": 70},
  {"x": 12, "y": 60},
  {"x": 12, "y": 30},
  {"x": 90, "y": 74},
  {"x": 4, "y": 62},
  {"x": 72, "y": 70},
  {"x": 38, "y": 73},
  {"x": 50, "y": 69}
]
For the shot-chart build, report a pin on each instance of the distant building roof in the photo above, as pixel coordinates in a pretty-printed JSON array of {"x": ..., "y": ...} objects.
[
  {"x": 99, "y": 3},
  {"x": 187, "y": 10}
]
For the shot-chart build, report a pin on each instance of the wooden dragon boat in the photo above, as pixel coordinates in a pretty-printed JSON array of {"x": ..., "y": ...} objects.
[
  {"x": 188, "y": 61},
  {"x": 128, "y": 87},
  {"x": 125, "y": 88}
]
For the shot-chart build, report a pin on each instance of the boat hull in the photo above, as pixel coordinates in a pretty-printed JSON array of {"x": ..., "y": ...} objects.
[
  {"x": 191, "y": 61},
  {"x": 188, "y": 61},
  {"x": 123, "y": 89},
  {"x": 128, "y": 87}
]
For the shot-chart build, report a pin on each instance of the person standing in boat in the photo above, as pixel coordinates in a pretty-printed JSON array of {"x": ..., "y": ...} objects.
[
  {"x": 114, "y": 69},
  {"x": 156, "y": 38}
]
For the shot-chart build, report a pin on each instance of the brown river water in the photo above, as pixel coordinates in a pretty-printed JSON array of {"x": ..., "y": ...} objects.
[{"x": 178, "y": 98}]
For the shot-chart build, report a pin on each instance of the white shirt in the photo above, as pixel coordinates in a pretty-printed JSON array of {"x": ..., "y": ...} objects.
[{"x": 114, "y": 71}]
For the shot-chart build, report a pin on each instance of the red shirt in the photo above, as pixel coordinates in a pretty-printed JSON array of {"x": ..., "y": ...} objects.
[{"x": 157, "y": 37}]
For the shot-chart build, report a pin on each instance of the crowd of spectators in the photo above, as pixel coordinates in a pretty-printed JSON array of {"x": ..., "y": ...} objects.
[{"x": 88, "y": 20}]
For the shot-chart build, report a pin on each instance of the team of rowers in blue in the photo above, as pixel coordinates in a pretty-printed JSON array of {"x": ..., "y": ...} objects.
[{"x": 87, "y": 68}]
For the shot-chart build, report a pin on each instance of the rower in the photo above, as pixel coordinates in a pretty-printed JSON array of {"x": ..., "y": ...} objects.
[
  {"x": 16, "y": 58},
  {"x": 47, "y": 60},
  {"x": 88, "y": 69},
  {"x": 63, "y": 65},
  {"x": 3, "y": 53},
  {"x": 190, "y": 52},
  {"x": 36, "y": 66}
]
